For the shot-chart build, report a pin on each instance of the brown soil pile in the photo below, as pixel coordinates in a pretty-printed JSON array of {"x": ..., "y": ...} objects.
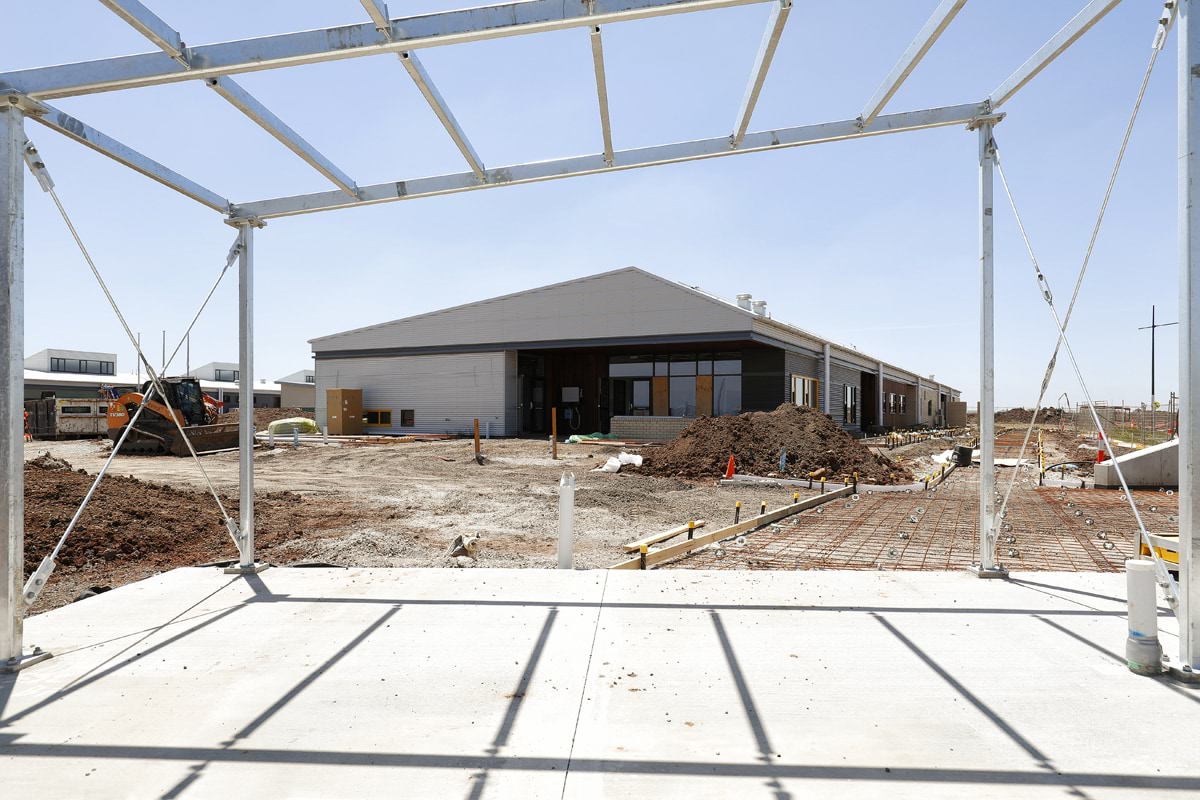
[
  {"x": 813, "y": 442},
  {"x": 133, "y": 529},
  {"x": 265, "y": 416},
  {"x": 1046, "y": 415}
]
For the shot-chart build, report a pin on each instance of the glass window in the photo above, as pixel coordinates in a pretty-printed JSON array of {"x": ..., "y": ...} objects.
[
  {"x": 727, "y": 364},
  {"x": 630, "y": 367},
  {"x": 310, "y": 378},
  {"x": 804, "y": 391},
  {"x": 230, "y": 375},
  {"x": 683, "y": 397},
  {"x": 378, "y": 418},
  {"x": 660, "y": 366},
  {"x": 641, "y": 395},
  {"x": 407, "y": 418},
  {"x": 683, "y": 365},
  {"x": 850, "y": 404},
  {"x": 705, "y": 365},
  {"x": 727, "y": 395}
]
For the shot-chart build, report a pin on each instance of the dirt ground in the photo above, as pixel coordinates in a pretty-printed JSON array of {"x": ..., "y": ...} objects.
[
  {"x": 812, "y": 443},
  {"x": 398, "y": 505},
  {"x": 403, "y": 504}
]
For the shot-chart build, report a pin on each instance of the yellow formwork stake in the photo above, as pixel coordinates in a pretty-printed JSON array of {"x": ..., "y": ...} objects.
[
  {"x": 691, "y": 528},
  {"x": 642, "y": 551},
  {"x": 795, "y": 497}
]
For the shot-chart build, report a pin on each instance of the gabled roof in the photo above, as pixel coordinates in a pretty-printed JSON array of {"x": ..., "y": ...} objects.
[{"x": 611, "y": 304}]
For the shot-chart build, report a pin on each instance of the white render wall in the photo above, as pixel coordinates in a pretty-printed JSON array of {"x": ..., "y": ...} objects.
[{"x": 445, "y": 392}]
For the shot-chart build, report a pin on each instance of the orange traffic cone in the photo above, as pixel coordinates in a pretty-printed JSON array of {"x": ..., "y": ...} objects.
[{"x": 729, "y": 469}]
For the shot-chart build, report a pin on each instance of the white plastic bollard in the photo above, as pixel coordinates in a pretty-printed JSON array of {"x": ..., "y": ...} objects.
[
  {"x": 270, "y": 438},
  {"x": 324, "y": 434},
  {"x": 295, "y": 437},
  {"x": 1143, "y": 653},
  {"x": 566, "y": 521}
]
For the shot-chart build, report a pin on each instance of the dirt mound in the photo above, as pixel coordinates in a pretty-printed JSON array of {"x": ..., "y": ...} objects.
[
  {"x": 49, "y": 462},
  {"x": 265, "y": 416},
  {"x": 132, "y": 529},
  {"x": 1046, "y": 415},
  {"x": 813, "y": 442}
]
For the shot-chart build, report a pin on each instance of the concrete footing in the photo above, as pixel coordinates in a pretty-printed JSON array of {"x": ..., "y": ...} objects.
[
  {"x": 982, "y": 572},
  {"x": 253, "y": 570}
]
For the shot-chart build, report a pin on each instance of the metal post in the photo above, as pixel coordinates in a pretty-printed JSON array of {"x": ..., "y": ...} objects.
[
  {"x": 920, "y": 401},
  {"x": 1189, "y": 322},
  {"x": 879, "y": 399},
  {"x": 246, "y": 561},
  {"x": 12, "y": 392},
  {"x": 987, "y": 372}
]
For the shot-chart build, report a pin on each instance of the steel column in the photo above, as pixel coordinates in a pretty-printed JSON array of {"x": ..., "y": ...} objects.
[
  {"x": 246, "y": 396},
  {"x": 879, "y": 391},
  {"x": 1189, "y": 328},
  {"x": 987, "y": 372},
  {"x": 12, "y": 391},
  {"x": 828, "y": 372},
  {"x": 920, "y": 401}
]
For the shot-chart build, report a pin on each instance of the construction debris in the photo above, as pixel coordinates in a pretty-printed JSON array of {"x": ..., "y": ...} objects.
[{"x": 812, "y": 440}]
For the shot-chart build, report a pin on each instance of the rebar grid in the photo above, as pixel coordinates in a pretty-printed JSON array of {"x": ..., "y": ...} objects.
[{"x": 1045, "y": 529}]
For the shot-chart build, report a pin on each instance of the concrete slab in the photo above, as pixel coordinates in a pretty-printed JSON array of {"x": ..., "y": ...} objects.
[{"x": 530, "y": 684}]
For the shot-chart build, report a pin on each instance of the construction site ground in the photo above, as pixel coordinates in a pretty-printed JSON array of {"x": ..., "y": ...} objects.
[
  {"x": 546, "y": 684},
  {"x": 403, "y": 504}
]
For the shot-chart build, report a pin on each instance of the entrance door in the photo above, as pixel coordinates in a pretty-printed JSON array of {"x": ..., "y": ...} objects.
[{"x": 605, "y": 404}]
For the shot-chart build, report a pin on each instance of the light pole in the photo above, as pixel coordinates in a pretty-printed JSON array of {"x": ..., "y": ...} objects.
[{"x": 1152, "y": 327}]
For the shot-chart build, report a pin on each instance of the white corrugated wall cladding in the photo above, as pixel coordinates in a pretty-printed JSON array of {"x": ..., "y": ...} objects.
[
  {"x": 445, "y": 392},
  {"x": 624, "y": 303}
]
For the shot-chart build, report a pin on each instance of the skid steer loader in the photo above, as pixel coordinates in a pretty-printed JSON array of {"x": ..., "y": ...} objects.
[{"x": 155, "y": 433}]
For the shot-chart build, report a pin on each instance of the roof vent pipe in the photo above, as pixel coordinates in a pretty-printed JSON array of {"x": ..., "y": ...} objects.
[
  {"x": 743, "y": 301},
  {"x": 760, "y": 307}
]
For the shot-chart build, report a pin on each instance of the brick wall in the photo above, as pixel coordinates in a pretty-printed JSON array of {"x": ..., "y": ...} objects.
[{"x": 659, "y": 429}]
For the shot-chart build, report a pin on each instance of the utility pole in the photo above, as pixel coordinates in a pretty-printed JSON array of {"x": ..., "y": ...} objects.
[{"x": 1152, "y": 327}]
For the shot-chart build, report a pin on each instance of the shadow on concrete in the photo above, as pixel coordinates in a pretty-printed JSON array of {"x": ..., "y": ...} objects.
[
  {"x": 1024, "y": 582},
  {"x": 197, "y": 769},
  {"x": 1183, "y": 690},
  {"x": 766, "y": 753},
  {"x": 514, "y": 704},
  {"x": 334, "y": 758}
]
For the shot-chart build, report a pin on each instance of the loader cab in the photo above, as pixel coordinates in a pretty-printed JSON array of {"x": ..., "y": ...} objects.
[{"x": 185, "y": 396}]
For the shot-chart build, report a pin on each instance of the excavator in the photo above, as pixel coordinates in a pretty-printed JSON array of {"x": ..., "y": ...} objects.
[{"x": 155, "y": 433}]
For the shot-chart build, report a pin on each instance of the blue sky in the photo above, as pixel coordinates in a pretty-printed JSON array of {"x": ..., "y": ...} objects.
[{"x": 872, "y": 243}]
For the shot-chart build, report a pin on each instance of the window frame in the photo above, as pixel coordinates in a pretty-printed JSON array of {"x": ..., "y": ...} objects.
[
  {"x": 379, "y": 418},
  {"x": 850, "y": 404},
  {"x": 806, "y": 388}
]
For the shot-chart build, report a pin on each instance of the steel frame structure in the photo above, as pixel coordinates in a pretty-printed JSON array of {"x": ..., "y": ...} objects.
[{"x": 26, "y": 94}]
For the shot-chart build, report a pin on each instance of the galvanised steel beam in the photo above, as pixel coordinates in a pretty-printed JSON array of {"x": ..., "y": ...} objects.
[
  {"x": 937, "y": 23},
  {"x": 86, "y": 135},
  {"x": 157, "y": 31},
  {"x": 602, "y": 93},
  {"x": 347, "y": 41},
  {"x": 245, "y": 102},
  {"x": 762, "y": 63},
  {"x": 378, "y": 13},
  {"x": 622, "y": 159},
  {"x": 1080, "y": 24},
  {"x": 432, "y": 96},
  {"x": 147, "y": 23}
]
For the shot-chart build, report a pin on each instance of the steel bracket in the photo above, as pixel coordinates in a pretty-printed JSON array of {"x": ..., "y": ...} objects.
[
  {"x": 985, "y": 119},
  {"x": 25, "y": 103},
  {"x": 982, "y": 572},
  {"x": 27, "y": 658},
  {"x": 237, "y": 222}
]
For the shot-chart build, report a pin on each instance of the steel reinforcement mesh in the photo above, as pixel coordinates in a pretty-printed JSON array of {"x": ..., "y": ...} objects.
[{"x": 1045, "y": 528}]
